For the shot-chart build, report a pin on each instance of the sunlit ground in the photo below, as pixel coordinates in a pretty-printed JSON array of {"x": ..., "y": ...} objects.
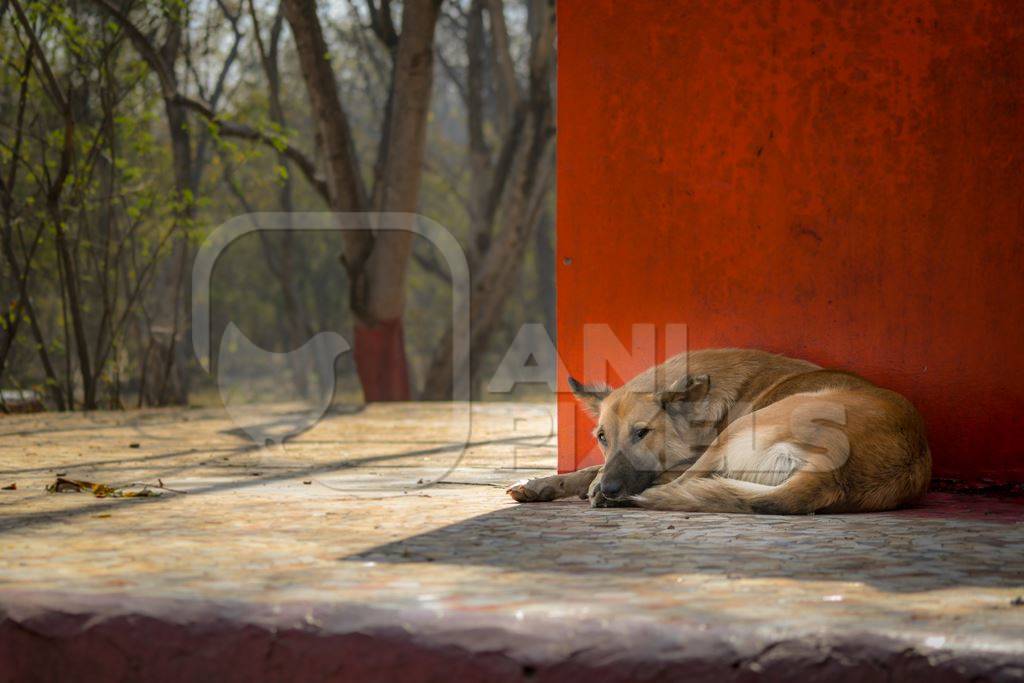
[{"x": 344, "y": 526}]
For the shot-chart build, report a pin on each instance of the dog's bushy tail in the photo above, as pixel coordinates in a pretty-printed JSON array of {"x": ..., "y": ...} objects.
[{"x": 801, "y": 494}]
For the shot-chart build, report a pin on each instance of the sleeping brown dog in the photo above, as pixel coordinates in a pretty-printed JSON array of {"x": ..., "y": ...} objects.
[{"x": 734, "y": 430}]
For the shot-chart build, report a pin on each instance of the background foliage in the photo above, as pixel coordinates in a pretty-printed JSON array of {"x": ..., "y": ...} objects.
[{"x": 99, "y": 224}]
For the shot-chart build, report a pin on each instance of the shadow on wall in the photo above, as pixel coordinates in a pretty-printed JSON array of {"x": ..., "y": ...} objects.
[{"x": 947, "y": 541}]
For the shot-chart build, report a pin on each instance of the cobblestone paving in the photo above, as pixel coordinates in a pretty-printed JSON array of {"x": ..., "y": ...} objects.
[{"x": 344, "y": 528}]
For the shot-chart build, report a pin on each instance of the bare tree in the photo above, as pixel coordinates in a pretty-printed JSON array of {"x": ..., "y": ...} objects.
[
  {"x": 168, "y": 380},
  {"x": 101, "y": 270},
  {"x": 279, "y": 249},
  {"x": 509, "y": 188},
  {"x": 55, "y": 184},
  {"x": 376, "y": 262},
  {"x": 115, "y": 262},
  {"x": 13, "y": 240}
]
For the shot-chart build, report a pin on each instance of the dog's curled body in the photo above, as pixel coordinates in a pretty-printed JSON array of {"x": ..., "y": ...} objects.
[{"x": 735, "y": 430}]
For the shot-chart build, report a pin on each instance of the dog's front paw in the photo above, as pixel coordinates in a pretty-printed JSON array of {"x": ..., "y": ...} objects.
[
  {"x": 521, "y": 493},
  {"x": 596, "y": 498},
  {"x": 539, "y": 490}
]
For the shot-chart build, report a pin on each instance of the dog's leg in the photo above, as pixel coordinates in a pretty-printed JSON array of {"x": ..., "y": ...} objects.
[{"x": 556, "y": 486}]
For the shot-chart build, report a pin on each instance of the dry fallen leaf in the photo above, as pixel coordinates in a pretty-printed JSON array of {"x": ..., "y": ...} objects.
[
  {"x": 62, "y": 485},
  {"x": 144, "y": 493}
]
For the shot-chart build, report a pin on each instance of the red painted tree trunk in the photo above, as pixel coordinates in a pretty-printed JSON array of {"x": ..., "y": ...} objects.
[{"x": 380, "y": 361}]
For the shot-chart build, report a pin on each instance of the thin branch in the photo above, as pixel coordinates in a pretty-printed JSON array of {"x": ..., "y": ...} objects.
[
  {"x": 169, "y": 91},
  {"x": 218, "y": 88},
  {"x": 153, "y": 57},
  {"x": 453, "y": 75},
  {"x": 506, "y": 157},
  {"x": 508, "y": 85},
  {"x": 430, "y": 265},
  {"x": 242, "y": 131},
  {"x": 49, "y": 80},
  {"x": 383, "y": 23}
]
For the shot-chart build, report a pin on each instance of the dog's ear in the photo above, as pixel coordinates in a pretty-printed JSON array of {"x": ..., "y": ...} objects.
[
  {"x": 686, "y": 390},
  {"x": 589, "y": 395}
]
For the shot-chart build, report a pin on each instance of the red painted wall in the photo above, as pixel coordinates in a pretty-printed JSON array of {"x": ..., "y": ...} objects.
[{"x": 838, "y": 181}]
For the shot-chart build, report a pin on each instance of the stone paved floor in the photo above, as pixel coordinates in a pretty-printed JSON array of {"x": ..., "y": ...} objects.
[{"x": 342, "y": 532}]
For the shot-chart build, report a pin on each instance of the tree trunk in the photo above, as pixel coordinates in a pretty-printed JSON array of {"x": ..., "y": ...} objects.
[
  {"x": 168, "y": 383},
  {"x": 480, "y": 222},
  {"x": 377, "y": 263},
  {"x": 492, "y": 284},
  {"x": 519, "y": 186},
  {"x": 344, "y": 183}
]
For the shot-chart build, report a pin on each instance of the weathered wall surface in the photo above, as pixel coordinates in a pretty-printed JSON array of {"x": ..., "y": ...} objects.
[{"x": 837, "y": 181}]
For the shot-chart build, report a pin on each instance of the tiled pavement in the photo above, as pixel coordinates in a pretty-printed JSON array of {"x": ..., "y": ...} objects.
[{"x": 337, "y": 557}]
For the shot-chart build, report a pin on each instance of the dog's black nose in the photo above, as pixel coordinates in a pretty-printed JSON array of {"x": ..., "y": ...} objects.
[{"x": 611, "y": 487}]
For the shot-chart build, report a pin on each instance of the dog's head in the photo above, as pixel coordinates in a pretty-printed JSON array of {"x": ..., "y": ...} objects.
[{"x": 644, "y": 434}]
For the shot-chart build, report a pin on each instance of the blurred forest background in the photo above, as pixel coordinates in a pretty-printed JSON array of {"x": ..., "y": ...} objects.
[{"x": 129, "y": 129}]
